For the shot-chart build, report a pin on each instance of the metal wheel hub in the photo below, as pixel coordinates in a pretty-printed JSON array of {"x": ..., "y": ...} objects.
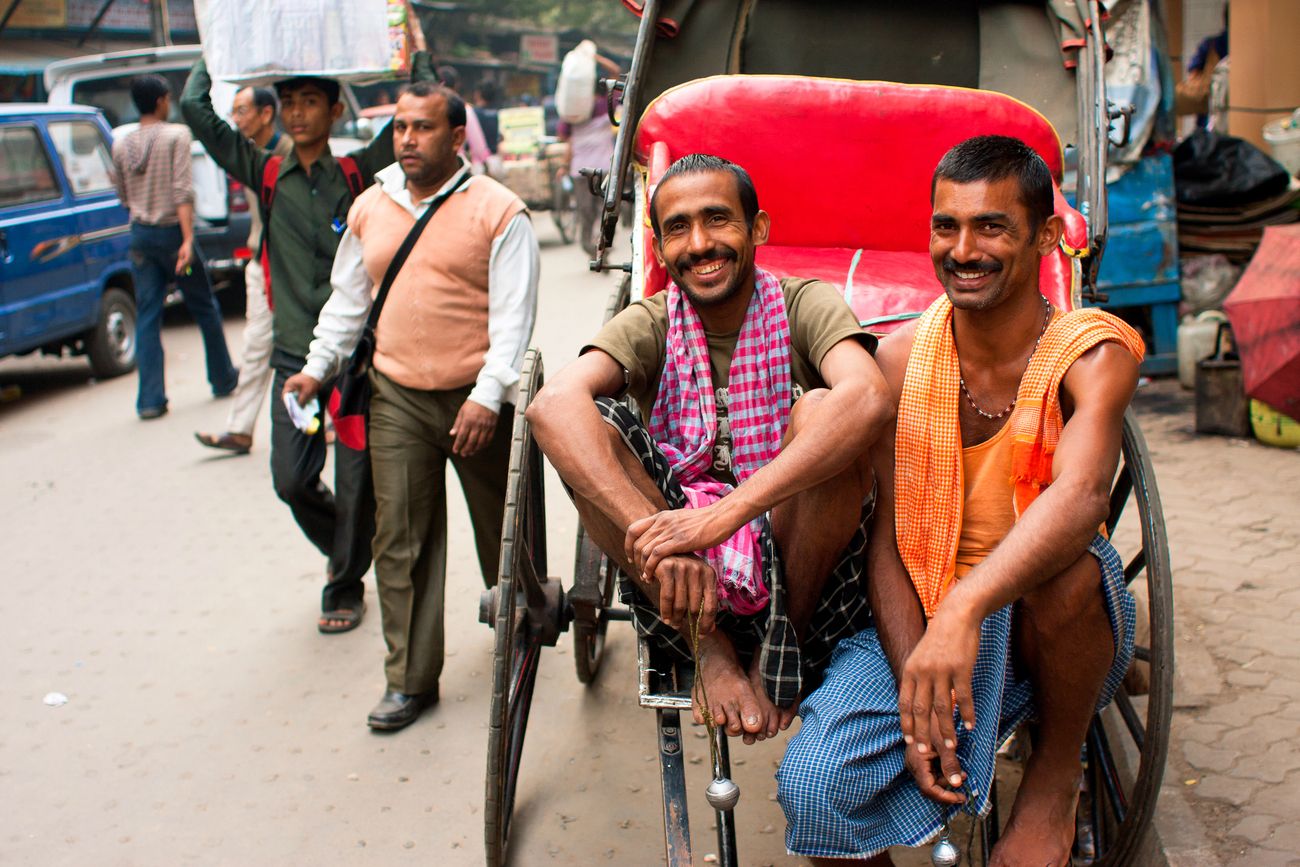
[{"x": 119, "y": 335}]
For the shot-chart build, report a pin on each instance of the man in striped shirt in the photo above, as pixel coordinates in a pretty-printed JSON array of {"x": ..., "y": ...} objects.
[{"x": 152, "y": 171}]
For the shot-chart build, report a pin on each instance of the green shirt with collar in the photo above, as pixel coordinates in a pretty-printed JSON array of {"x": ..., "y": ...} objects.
[{"x": 307, "y": 205}]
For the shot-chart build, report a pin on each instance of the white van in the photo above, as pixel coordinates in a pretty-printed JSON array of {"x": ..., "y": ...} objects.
[{"x": 221, "y": 208}]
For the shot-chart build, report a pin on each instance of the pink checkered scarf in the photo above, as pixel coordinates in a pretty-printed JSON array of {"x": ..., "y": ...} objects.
[{"x": 684, "y": 421}]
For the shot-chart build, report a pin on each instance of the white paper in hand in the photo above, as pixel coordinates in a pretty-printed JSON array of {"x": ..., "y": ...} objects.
[{"x": 304, "y": 418}]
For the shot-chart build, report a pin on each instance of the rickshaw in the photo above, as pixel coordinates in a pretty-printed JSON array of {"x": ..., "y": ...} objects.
[
  {"x": 530, "y": 163},
  {"x": 842, "y": 161}
]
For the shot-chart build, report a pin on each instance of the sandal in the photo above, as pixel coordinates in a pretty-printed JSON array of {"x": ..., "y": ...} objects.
[
  {"x": 350, "y": 617},
  {"x": 239, "y": 444}
]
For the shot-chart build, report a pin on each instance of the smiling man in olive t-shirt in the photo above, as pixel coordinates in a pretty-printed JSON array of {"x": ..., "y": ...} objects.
[{"x": 742, "y": 498}]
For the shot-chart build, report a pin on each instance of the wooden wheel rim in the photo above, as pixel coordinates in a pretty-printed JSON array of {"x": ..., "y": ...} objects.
[
  {"x": 517, "y": 644},
  {"x": 1122, "y": 804}
]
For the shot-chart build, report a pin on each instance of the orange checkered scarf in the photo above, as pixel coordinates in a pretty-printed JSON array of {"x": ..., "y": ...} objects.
[{"x": 927, "y": 460}]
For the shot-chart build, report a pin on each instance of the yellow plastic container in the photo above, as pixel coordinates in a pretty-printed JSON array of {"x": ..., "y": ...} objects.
[{"x": 1273, "y": 428}]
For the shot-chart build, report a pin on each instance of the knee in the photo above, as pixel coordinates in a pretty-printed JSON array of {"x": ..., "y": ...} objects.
[
  {"x": 816, "y": 797},
  {"x": 805, "y": 406},
  {"x": 802, "y": 782},
  {"x": 1067, "y": 599},
  {"x": 292, "y": 488}
]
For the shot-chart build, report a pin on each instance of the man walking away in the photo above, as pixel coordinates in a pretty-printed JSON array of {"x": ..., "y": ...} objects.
[
  {"x": 152, "y": 172},
  {"x": 486, "y": 99},
  {"x": 253, "y": 114},
  {"x": 450, "y": 341},
  {"x": 305, "y": 199},
  {"x": 591, "y": 146}
]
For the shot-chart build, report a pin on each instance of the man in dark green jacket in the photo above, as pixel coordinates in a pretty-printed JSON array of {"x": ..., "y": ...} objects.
[{"x": 307, "y": 217}]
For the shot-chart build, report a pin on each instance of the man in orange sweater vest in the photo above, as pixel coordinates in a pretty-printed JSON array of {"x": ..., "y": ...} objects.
[{"x": 448, "y": 348}]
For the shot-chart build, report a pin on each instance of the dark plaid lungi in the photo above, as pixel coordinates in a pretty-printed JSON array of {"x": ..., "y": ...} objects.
[{"x": 842, "y": 611}]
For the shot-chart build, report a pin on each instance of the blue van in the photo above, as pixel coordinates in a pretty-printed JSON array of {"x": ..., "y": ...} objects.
[{"x": 65, "y": 279}]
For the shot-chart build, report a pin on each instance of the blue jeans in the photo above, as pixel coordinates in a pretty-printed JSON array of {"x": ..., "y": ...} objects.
[{"x": 153, "y": 264}]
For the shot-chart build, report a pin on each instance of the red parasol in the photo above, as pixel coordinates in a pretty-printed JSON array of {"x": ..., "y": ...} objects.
[{"x": 1265, "y": 312}]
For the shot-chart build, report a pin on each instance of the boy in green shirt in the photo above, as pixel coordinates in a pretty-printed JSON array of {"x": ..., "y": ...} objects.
[{"x": 312, "y": 195}]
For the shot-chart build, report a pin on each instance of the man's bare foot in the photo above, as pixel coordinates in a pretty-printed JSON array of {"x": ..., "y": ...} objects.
[
  {"x": 775, "y": 719},
  {"x": 1040, "y": 832},
  {"x": 735, "y": 708}
]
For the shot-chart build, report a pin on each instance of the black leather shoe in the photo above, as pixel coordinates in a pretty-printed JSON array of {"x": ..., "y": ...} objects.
[{"x": 397, "y": 710}]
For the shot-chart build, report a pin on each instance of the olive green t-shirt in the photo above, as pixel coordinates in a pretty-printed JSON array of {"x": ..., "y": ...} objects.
[{"x": 819, "y": 318}]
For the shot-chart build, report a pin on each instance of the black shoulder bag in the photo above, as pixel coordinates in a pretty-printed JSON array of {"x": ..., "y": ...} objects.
[{"x": 350, "y": 401}]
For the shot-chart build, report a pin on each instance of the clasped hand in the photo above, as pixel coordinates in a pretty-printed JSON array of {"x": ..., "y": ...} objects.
[
  {"x": 939, "y": 666},
  {"x": 664, "y": 547}
]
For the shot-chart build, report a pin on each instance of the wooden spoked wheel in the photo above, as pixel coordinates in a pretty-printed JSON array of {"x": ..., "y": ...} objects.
[
  {"x": 1124, "y": 752},
  {"x": 594, "y": 576},
  {"x": 1124, "y": 755},
  {"x": 564, "y": 208},
  {"x": 515, "y": 608}
]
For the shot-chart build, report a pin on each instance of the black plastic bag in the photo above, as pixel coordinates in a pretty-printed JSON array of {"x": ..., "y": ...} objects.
[{"x": 1219, "y": 171}]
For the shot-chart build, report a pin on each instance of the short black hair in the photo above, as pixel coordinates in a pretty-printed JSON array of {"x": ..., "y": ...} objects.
[
  {"x": 489, "y": 92},
  {"x": 146, "y": 90},
  {"x": 696, "y": 163},
  {"x": 449, "y": 76},
  {"x": 264, "y": 97},
  {"x": 328, "y": 86},
  {"x": 455, "y": 105},
  {"x": 994, "y": 158}
]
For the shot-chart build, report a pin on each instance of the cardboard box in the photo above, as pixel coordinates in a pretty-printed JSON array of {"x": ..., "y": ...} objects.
[{"x": 1264, "y": 77}]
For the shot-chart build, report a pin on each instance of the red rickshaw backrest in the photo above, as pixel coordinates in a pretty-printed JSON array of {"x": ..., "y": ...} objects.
[{"x": 844, "y": 168}]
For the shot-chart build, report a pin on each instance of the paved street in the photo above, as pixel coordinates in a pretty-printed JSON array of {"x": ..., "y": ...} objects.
[
  {"x": 170, "y": 596},
  {"x": 1234, "y": 537}
]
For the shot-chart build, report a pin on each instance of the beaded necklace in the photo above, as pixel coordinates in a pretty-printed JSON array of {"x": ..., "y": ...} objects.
[{"x": 1047, "y": 318}]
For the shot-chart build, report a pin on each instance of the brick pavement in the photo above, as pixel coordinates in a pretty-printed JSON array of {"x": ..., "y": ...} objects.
[{"x": 1234, "y": 533}]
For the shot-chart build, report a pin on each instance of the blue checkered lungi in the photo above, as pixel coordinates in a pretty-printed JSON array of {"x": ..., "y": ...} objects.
[{"x": 843, "y": 785}]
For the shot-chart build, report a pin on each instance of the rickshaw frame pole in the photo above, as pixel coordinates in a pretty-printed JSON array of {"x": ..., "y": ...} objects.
[
  {"x": 615, "y": 181},
  {"x": 672, "y": 776},
  {"x": 1094, "y": 140},
  {"x": 726, "y": 819}
]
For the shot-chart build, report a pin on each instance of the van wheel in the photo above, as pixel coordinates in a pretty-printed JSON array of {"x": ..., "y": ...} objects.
[{"x": 110, "y": 345}]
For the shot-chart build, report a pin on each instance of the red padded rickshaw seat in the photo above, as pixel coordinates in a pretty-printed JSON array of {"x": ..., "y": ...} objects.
[{"x": 843, "y": 168}]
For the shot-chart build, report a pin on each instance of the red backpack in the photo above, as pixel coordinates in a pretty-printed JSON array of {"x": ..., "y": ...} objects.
[{"x": 270, "y": 176}]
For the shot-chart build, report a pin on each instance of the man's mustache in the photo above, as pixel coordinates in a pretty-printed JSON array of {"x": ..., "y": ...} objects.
[
  {"x": 690, "y": 260},
  {"x": 952, "y": 265}
]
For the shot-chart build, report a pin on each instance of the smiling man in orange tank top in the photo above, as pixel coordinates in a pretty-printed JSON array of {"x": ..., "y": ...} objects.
[{"x": 989, "y": 581}]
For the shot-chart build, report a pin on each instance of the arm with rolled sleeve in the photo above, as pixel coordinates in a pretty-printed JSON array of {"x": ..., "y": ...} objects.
[
  {"x": 182, "y": 169},
  {"x": 513, "y": 271},
  {"x": 239, "y": 156},
  {"x": 119, "y": 172},
  {"x": 343, "y": 317}
]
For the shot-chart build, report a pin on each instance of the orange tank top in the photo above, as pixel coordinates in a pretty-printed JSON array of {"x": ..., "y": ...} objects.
[{"x": 987, "y": 513}]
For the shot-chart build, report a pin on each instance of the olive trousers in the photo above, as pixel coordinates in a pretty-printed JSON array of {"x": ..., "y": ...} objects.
[{"x": 410, "y": 444}]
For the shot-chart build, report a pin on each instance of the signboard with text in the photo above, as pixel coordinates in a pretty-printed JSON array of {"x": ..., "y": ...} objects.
[
  {"x": 40, "y": 14},
  {"x": 539, "y": 48}
]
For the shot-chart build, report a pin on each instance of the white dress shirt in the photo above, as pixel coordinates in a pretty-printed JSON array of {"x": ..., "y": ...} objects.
[{"x": 513, "y": 269}]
